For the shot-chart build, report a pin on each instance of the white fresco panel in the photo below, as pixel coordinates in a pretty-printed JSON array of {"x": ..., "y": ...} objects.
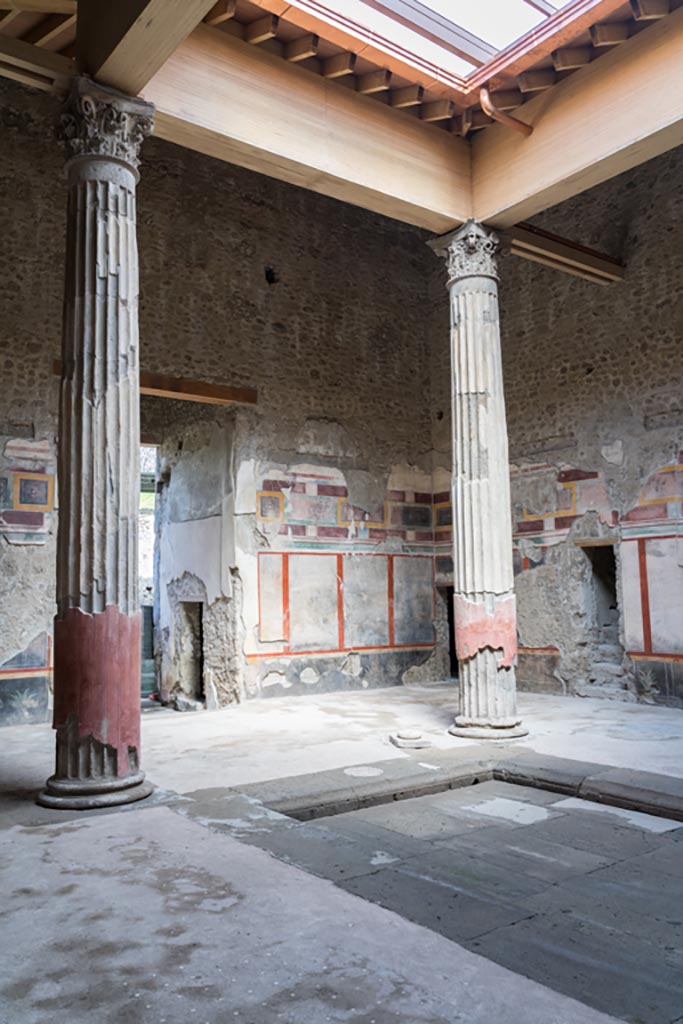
[
  {"x": 366, "y": 601},
  {"x": 665, "y": 587},
  {"x": 413, "y": 600},
  {"x": 271, "y": 607},
  {"x": 313, "y": 620},
  {"x": 630, "y": 596}
]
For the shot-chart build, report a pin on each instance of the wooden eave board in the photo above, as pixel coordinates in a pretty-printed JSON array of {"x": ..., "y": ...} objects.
[
  {"x": 233, "y": 101},
  {"x": 605, "y": 118}
]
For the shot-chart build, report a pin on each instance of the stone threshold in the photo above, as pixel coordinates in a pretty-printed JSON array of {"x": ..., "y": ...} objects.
[{"x": 327, "y": 793}]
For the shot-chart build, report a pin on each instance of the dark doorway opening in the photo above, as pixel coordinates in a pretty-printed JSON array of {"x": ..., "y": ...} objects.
[
  {"x": 451, "y": 633},
  {"x": 604, "y": 566},
  {"x": 192, "y": 649}
]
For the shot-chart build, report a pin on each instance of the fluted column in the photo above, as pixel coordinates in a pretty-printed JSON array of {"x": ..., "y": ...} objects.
[
  {"x": 485, "y": 618},
  {"x": 98, "y": 623}
]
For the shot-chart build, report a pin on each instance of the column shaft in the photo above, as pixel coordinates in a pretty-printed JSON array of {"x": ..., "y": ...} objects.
[
  {"x": 98, "y": 625},
  {"x": 484, "y": 601}
]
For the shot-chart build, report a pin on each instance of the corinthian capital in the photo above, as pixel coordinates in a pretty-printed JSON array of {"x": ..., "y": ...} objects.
[
  {"x": 98, "y": 121},
  {"x": 469, "y": 252}
]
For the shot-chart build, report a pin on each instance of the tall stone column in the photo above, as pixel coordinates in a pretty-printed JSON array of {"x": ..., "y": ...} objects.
[
  {"x": 484, "y": 601},
  {"x": 98, "y": 622}
]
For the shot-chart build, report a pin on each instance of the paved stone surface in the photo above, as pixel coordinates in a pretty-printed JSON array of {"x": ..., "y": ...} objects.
[{"x": 192, "y": 925}]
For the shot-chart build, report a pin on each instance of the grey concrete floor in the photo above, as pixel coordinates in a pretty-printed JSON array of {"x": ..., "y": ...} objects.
[{"x": 494, "y": 903}]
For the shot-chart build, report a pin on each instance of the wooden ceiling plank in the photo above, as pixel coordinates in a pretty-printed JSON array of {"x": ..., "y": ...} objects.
[
  {"x": 610, "y": 33},
  {"x": 374, "y": 81},
  {"x": 262, "y": 29},
  {"x": 407, "y": 96},
  {"x": 123, "y": 44},
  {"x": 302, "y": 48},
  {"x": 571, "y": 57},
  {"x": 222, "y": 11},
  {"x": 339, "y": 65}
]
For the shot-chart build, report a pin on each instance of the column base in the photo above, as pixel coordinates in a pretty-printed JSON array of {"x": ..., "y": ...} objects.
[
  {"x": 85, "y": 795},
  {"x": 488, "y": 732}
]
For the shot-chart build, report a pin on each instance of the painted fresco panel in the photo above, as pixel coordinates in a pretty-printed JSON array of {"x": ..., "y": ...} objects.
[
  {"x": 271, "y": 607},
  {"x": 665, "y": 583},
  {"x": 630, "y": 596},
  {"x": 366, "y": 603},
  {"x": 313, "y": 623},
  {"x": 413, "y": 600}
]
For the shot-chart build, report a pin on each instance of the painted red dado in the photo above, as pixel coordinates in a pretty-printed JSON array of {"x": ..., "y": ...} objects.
[
  {"x": 97, "y": 677},
  {"x": 475, "y": 628}
]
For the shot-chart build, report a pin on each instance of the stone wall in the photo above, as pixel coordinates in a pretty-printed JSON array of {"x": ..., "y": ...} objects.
[
  {"x": 305, "y": 526},
  {"x": 595, "y": 418},
  {"x": 318, "y": 305}
]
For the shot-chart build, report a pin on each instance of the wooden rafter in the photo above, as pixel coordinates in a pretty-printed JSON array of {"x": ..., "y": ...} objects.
[
  {"x": 551, "y": 250},
  {"x": 34, "y": 66},
  {"x": 42, "y": 6},
  {"x": 52, "y": 32}
]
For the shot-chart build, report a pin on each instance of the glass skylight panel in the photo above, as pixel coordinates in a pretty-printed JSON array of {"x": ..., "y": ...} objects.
[
  {"x": 389, "y": 28},
  {"x": 499, "y": 22}
]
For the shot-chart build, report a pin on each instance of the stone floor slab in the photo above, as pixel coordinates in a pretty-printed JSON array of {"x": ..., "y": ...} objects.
[{"x": 193, "y": 925}]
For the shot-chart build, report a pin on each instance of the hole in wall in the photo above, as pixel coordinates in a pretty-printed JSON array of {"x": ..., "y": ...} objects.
[{"x": 271, "y": 276}]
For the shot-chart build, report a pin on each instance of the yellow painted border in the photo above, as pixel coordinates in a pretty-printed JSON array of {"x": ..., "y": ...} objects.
[
  {"x": 270, "y": 494},
  {"x": 665, "y": 498},
  {"x": 48, "y": 506},
  {"x": 441, "y": 504},
  {"x": 363, "y": 522},
  {"x": 569, "y": 485}
]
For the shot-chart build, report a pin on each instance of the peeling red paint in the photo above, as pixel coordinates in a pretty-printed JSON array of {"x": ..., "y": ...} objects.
[
  {"x": 97, "y": 677},
  {"x": 476, "y": 628}
]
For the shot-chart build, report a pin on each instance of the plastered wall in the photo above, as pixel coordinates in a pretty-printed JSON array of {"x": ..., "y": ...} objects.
[
  {"x": 593, "y": 382},
  {"x": 312, "y": 527}
]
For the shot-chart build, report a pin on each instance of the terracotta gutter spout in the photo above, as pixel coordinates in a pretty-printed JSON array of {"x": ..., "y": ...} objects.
[{"x": 498, "y": 115}]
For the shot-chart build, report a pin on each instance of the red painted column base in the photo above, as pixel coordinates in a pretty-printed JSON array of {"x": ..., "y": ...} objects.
[{"x": 97, "y": 711}]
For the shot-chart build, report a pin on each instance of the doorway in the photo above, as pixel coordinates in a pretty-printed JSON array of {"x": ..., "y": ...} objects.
[
  {"x": 604, "y": 584},
  {"x": 191, "y": 649}
]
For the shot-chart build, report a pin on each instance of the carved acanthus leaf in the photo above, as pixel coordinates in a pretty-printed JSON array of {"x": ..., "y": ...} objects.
[
  {"x": 471, "y": 252},
  {"x": 98, "y": 122}
]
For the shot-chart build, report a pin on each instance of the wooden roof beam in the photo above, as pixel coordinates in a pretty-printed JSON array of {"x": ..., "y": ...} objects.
[
  {"x": 124, "y": 44},
  {"x": 184, "y": 389},
  {"x": 551, "y": 250},
  {"x": 584, "y": 131},
  {"x": 244, "y": 105}
]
